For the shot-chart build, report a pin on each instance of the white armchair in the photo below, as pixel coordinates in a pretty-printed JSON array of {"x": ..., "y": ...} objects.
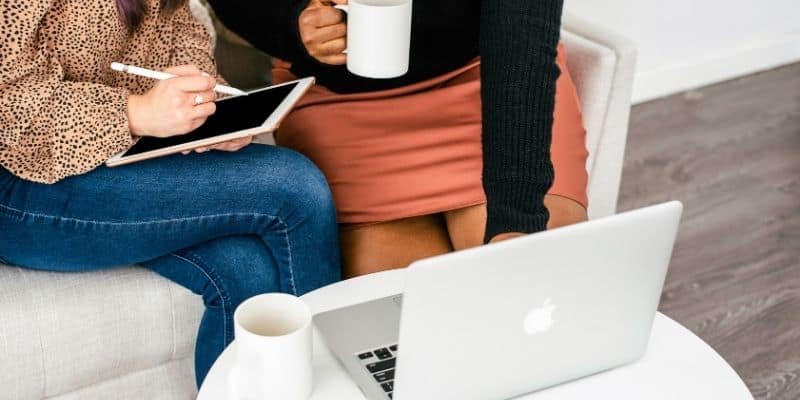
[
  {"x": 128, "y": 334},
  {"x": 602, "y": 65}
]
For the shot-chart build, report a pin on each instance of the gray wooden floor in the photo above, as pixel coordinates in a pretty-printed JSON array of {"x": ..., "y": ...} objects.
[{"x": 731, "y": 153}]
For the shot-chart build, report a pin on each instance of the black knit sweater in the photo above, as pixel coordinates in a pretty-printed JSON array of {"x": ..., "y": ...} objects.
[{"x": 516, "y": 40}]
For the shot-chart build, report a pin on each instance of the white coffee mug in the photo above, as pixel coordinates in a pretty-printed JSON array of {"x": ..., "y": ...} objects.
[
  {"x": 273, "y": 349},
  {"x": 378, "y": 37}
]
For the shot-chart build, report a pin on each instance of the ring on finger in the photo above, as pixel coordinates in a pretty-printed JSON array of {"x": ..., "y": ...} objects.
[{"x": 198, "y": 99}]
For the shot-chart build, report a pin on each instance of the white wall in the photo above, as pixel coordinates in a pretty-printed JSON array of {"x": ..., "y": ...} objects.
[{"x": 684, "y": 44}]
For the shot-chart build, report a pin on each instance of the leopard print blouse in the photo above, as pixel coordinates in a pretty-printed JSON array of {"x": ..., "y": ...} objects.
[{"x": 62, "y": 109}]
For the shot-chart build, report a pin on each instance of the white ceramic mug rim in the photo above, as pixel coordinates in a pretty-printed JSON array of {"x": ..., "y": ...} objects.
[
  {"x": 307, "y": 318},
  {"x": 362, "y": 3}
]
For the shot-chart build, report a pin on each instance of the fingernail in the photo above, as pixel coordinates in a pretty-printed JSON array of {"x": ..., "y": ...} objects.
[{"x": 205, "y": 74}]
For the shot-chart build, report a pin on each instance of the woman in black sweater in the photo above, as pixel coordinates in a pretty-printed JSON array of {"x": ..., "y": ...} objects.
[{"x": 405, "y": 156}]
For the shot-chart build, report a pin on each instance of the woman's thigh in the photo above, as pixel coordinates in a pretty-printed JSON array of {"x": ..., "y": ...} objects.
[
  {"x": 116, "y": 216},
  {"x": 466, "y": 226},
  {"x": 394, "y": 244}
]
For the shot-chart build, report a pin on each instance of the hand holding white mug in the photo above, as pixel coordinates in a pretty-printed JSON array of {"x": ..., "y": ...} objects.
[
  {"x": 323, "y": 31},
  {"x": 378, "y": 35}
]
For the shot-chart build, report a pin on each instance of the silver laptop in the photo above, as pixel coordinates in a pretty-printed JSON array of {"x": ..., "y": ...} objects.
[{"x": 510, "y": 318}]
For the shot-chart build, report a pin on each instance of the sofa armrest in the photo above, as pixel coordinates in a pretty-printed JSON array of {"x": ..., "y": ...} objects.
[{"x": 602, "y": 65}]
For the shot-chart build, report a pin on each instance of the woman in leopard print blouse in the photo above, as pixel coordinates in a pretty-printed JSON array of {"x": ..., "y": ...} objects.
[{"x": 226, "y": 224}]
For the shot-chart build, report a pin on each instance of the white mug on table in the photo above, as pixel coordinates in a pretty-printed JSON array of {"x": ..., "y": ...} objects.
[
  {"x": 273, "y": 349},
  {"x": 378, "y": 37}
]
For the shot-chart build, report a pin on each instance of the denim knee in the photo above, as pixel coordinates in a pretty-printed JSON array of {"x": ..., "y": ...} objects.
[
  {"x": 306, "y": 187},
  {"x": 252, "y": 283},
  {"x": 317, "y": 194},
  {"x": 237, "y": 268}
]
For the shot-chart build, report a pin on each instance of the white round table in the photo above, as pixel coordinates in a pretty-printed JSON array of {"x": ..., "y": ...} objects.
[{"x": 677, "y": 365}]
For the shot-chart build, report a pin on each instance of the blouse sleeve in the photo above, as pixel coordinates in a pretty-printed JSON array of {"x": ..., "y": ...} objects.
[
  {"x": 192, "y": 44},
  {"x": 51, "y": 128}
]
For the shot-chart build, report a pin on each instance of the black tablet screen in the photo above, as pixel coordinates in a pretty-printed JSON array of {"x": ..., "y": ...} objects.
[{"x": 233, "y": 115}]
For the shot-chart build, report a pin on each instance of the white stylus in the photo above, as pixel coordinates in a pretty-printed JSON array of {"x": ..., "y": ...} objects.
[{"x": 147, "y": 73}]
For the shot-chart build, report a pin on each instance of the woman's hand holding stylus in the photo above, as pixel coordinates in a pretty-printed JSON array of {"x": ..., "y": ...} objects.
[
  {"x": 177, "y": 106},
  {"x": 174, "y": 106}
]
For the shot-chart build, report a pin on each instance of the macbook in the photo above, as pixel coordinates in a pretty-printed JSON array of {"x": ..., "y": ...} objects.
[{"x": 506, "y": 319}]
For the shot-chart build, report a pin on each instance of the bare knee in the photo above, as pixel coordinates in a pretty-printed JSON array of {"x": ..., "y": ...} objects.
[
  {"x": 466, "y": 226},
  {"x": 563, "y": 211},
  {"x": 395, "y": 244}
]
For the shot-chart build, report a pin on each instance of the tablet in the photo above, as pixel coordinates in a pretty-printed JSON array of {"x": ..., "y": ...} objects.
[{"x": 261, "y": 111}]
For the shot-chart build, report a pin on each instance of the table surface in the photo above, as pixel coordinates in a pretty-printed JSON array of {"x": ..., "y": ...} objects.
[{"x": 677, "y": 364}]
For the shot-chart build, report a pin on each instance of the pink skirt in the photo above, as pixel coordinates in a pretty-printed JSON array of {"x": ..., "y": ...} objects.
[{"x": 416, "y": 150}]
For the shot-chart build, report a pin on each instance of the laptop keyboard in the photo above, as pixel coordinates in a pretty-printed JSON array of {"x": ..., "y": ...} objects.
[{"x": 380, "y": 364}]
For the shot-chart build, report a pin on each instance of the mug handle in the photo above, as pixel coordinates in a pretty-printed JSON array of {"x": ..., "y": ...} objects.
[{"x": 344, "y": 8}]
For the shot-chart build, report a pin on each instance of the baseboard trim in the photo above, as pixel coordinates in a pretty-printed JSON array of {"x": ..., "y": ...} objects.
[{"x": 768, "y": 54}]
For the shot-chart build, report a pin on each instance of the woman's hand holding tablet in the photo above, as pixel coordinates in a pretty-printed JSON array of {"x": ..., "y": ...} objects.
[
  {"x": 230, "y": 145},
  {"x": 238, "y": 117}
]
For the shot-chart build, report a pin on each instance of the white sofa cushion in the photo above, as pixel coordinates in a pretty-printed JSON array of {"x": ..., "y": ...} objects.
[{"x": 64, "y": 332}]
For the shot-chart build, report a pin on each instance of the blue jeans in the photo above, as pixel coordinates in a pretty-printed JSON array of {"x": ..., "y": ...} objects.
[{"x": 227, "y": 226}]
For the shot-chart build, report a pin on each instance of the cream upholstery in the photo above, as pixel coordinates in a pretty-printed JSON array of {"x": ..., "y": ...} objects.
[
  {"x": 602, "y": 65},
  {"x": 117, "y": 334},
  {"x": 128, "y": 334}
]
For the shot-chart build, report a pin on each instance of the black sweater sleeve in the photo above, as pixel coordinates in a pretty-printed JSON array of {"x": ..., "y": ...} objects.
[
  {"x": 518, "y": 44},
  {"x": 270, "y": 25}
]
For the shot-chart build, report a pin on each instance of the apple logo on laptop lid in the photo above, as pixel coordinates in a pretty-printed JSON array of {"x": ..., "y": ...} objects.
[{"x": 539, "y": 319}]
